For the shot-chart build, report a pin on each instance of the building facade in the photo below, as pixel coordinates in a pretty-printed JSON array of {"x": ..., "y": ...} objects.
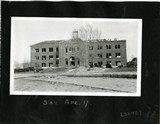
[{"x": 77, "y": 52}]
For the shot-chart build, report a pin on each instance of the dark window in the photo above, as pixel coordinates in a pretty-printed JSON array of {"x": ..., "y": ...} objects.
[
  {"x": 108, "y": 55},
  {"x": 57, "y": 56},
  {"x": 51, "y": 57},
  {"x": 77, "y": 48},
  {"x": 50, "y": 64},
  {"x": 66, "y": 61},
  {"x": 57, "y": 49},
  {"x": 37, "y": 50},
  {"x": 118, "y": 55},
  {"x": 72, "y": 49},
  {"x": 50, "y": 49},
  {"x": 91, "y": 64},
  {"x": 43, "y": 49},
  {"x": 43, "y": 64},
  {"x": 100, "y": 55},
  {"x": 43, "y": 57},
  {"x": 57, "y": 63},
  {"x": 66, "y": 50},
  {"x": 99, "y": 47},
  {"x": 117, "y": 46},
  {"x": 100, "y": 64},
  {"x": 108, "y": 46},
  {"x": 78, "y": 62}
]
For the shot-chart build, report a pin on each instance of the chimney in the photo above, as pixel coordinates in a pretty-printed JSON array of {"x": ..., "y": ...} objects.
[{"x": 75, "y": 34}]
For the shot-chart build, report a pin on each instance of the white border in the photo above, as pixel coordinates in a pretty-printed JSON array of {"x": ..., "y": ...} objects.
[{"x": 138, "y": 93}]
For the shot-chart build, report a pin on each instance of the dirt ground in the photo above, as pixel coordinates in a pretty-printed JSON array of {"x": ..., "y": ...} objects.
[{"x": 49, "y": 81}]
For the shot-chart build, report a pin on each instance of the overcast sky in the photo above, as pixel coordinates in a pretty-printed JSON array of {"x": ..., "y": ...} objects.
[{"x": 26, "y": 31}]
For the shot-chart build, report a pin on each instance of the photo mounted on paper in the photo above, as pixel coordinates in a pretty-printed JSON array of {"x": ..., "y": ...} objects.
[{"x": 75, "y": 56}]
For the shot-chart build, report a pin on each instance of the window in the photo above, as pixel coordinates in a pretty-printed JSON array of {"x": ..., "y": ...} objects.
[
  {"x": 66, "y": 61},
  {"x": 57, "y": 56},
  {"x": 118, "y": 55},
  {"x": 108, "y": 55},
  {"x": 91, "y": 64},
  {"x": 43, "y": 64},
  {"x": 37, "y": 57},
  {"x": 100, "y": 55},
  {"x": 43, "y": 49},
  {"x": 57, "y": 49},
  {"x": 37, "y": 50},
  {"x": 78, "y": 62},
  {"x": 50, "y": 49},
  {"x": 117, "y": 46},
  {"x": 51, "y": 57},
  {"x": 100, "y": 64},
  {"x": 69, "y": 49},
  {"x": 99, "y": 47},
  {"x": 57, "y": 63},
  {"x": 118, "y": 63},
  {"x": 108, "y": 46},
  {"x": 90, "y": 47},
  {"x": 66, "y": 50},
  {"x": 50, "y": 64},
  {"x": 43, "y": 57},
  {"x": 109, "y": 62}
]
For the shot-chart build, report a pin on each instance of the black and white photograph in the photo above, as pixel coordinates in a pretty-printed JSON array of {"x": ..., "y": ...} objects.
[
  {"x": 79, "y": 62},
  {"x": 75, "y": 56}
]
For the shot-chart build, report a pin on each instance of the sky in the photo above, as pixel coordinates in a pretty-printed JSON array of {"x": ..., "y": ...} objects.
[{"x": 26, "y": 31}]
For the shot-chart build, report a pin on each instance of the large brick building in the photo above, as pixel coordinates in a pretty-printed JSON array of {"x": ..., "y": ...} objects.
[{"x": 76, "y": 52}]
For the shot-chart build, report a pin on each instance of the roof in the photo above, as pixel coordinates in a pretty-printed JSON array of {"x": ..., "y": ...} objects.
[
  {"x": 47, "y": 42},
  {"x": 77, "y": 40},
  {"x": 105, "y": 40},
  {"x": 56, "y": 41}
]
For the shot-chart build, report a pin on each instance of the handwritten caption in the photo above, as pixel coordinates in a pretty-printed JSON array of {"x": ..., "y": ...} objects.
[
  {"x": 150, "y": 113},
  {"x": 83, "y": 103}
]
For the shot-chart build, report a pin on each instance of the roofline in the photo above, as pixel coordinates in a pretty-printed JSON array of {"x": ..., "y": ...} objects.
[
  {"x": 49, "y": 42},
  {"x": 90, "y": 41}
]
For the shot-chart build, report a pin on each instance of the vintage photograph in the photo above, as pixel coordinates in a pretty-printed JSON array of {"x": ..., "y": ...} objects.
[{"x": 75, "y": 56}]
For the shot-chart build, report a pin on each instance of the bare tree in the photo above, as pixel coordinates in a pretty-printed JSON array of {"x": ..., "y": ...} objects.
[
  {"x": 88, "y": 32},
  {"x": 26, "y": 63}
]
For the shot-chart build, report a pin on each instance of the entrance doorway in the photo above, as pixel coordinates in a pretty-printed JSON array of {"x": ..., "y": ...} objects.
[{"x": 72, "y": 61}]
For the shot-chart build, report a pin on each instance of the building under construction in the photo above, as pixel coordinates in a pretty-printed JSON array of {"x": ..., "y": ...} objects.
[{"x": 77, "y": 52}]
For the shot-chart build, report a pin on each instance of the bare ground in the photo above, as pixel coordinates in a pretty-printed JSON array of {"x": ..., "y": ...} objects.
[{"x": 51, "y": 80}]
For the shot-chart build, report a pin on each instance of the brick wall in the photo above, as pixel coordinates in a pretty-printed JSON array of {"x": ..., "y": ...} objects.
[{"x": 80, "y": 53}]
